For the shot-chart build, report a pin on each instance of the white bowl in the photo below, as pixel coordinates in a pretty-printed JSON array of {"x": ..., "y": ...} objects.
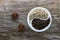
[{"x": 30, "y": 24}]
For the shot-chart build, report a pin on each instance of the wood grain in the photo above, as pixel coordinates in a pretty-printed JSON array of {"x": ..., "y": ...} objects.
[{"x": 8, "y": 28}]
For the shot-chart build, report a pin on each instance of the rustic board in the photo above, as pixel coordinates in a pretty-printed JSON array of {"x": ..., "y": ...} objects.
[{"x": 8, "y": 27}]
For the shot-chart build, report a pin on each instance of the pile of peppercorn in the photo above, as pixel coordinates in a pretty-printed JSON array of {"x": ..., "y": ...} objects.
[{"x": 40, "y": 24}]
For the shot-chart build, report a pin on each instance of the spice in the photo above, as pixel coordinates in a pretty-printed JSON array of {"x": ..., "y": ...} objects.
[
  {"x": 39, "y": 13},
  {"x": 40, "y": 24},
  {"x": 15, "y": 15},
  {"x": 21, "y": 27}
]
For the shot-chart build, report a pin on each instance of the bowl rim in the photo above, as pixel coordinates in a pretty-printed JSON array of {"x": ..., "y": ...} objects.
[{"x": 30, "y": 25}]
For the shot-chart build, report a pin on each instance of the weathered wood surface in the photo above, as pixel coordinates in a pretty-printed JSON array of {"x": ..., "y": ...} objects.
[{"x": 8, "y": 28}]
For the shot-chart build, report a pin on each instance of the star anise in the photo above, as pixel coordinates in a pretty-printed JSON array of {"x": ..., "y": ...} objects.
[
  {"x": 15, "y": 15},
  {"x": 21, "y": 27}
]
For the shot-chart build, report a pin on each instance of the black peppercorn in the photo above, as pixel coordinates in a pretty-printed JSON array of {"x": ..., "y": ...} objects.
[{"x": 40, "y": 24}]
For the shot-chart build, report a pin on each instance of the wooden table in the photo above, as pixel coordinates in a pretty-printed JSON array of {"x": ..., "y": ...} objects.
[{"x": 8, "y": 27}]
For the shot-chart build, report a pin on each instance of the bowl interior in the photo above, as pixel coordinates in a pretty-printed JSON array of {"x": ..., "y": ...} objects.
[{"x": 30, "y": 22}]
